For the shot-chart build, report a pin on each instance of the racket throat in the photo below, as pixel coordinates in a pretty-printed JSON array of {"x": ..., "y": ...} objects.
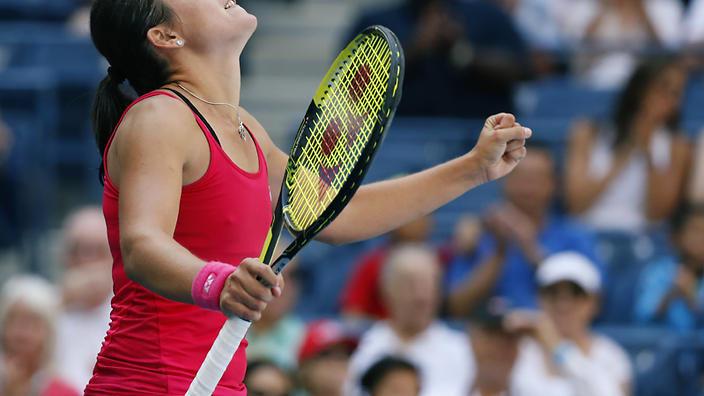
[{"x": 278, "y": 265}]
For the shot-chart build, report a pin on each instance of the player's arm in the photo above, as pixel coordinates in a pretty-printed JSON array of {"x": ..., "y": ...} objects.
[
  {"x": 153, "y": 146},
  {"x": 380, "y": 207}
]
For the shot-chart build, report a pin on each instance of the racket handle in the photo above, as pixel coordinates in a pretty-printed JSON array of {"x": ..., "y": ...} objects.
[{"x": 219, "y": 357}]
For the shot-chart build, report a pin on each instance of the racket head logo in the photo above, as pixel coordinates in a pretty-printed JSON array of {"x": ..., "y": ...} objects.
[
  {"x": 327, "y": 175},
  {"x": 355, "y": 123},
  {"x": 331, "y": 136},
  {"x": 358, "y": 85}
]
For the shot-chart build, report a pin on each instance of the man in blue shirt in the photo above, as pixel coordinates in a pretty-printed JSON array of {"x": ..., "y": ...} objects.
[{"x": 520, "y": 233}]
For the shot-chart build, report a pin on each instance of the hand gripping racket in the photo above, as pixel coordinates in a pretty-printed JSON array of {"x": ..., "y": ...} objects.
[{"x": 335, "y": 144}]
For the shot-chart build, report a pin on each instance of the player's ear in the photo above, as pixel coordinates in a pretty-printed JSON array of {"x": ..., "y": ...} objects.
[{"x": 164, "y": 37}]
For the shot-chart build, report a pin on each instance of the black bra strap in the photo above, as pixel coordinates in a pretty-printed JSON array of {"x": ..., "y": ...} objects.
[{"x": 188, "y": 102}]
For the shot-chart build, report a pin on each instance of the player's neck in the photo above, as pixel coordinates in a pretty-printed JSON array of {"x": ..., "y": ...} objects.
[{"x": 212, "y": 81}]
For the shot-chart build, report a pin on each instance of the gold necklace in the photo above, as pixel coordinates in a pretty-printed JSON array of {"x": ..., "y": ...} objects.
[{"x": 242, "y": 131}]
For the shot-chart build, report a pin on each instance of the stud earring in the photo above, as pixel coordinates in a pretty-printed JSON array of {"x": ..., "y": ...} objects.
[{"x": 179, "y": 42}]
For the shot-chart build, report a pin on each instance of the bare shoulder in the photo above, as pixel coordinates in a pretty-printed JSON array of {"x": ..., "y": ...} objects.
[{"x": 158, "y": 117}]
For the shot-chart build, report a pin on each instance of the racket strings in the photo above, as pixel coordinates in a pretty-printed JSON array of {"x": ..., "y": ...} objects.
[
  {"x": 339, "y": 135},
  {"x": 313, "y": 209}
]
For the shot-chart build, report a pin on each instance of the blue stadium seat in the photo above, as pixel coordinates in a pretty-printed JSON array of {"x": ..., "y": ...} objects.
[
  {"x": 563, "y": 98},
  {"x": 39, "y": 44},
  {"x": 665, "y": 362},
  {"x": 45, "y": 10},
  {"x": 624, "y": 256}
]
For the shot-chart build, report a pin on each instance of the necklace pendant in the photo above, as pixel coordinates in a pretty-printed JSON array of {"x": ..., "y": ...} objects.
[{"x": 243, "y": 132}]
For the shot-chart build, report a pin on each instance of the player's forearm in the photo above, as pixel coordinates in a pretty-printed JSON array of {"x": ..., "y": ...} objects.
[
  {"x": 381, "y": 207},
  {"x": 160, "y": 264}
]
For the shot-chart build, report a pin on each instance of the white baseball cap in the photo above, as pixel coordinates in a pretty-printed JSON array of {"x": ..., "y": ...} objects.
[{"x": 569, "y": 266}]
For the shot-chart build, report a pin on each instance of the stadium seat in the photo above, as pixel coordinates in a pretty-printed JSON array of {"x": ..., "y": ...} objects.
[
  {"x": 44, "y": 10},
  {"x": 563, "y": 98}
]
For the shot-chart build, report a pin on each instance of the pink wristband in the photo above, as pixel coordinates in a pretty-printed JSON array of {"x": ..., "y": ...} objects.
[{"x": 209, "y": 283}]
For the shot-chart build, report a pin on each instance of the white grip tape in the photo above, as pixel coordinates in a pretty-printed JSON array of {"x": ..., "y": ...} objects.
[{"x": 219, "y": 357}]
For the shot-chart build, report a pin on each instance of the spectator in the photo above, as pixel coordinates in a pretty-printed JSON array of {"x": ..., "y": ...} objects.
[
  {"x": 467, "y": 56},
  {"x": 564, "y": 357},
  {"x": 276, "y": 336},
  {"x": 411, "y": 281},
  {"x": 324, "y": 358},
  {"x": 265, "y": 378},
  {"x": 495, "y": 349},
  {"x": 671, "y": 289},
  {"x": 608, "y": 35},
  {"x": 629, "y": 174},
  {"x": 391, "y": 376},
  {"x": 541, "y": 23},
  {"x": 520, "y": 233},
  {"x": 361, "y": 297},
  {"x": 28, "y": 311},
  {"x": 86, "y": 289},
  {"x": 464, "y": 239}
]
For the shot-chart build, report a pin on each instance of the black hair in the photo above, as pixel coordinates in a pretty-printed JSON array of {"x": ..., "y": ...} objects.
[
  {"x": 383, "y": 367},
  {"x": 631, "y": 97},
  {"x": 119, "y": 32}
]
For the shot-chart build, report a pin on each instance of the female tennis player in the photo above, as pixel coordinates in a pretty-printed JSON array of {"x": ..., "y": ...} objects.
[{"x": 187, "y": 201}]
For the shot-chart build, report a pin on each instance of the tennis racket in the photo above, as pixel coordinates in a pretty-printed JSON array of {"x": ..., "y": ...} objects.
[{"x": 335, "y": 144}]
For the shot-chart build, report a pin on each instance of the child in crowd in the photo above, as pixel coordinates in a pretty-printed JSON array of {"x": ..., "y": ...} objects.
[{"x": 391, "y": 376}]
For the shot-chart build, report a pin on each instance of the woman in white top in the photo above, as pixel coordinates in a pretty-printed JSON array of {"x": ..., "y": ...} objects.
[
  {"x": 628, "y": 174},
  {"x": 563, "y": 357}
]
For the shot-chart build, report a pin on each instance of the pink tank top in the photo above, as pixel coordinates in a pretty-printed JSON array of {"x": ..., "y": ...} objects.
[{"x": 154, "y": 345}]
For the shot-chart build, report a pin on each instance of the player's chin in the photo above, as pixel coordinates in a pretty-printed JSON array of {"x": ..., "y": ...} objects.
[
  {"x": 247, "y": 24},
  {"x": 245, "y": 17}
]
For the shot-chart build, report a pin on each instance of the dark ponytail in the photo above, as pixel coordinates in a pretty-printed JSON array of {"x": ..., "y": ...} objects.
[{"x": 119, "y": 31}]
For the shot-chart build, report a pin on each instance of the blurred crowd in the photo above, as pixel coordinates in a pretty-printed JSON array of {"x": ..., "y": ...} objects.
[{"x": 602, "y": 231}]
